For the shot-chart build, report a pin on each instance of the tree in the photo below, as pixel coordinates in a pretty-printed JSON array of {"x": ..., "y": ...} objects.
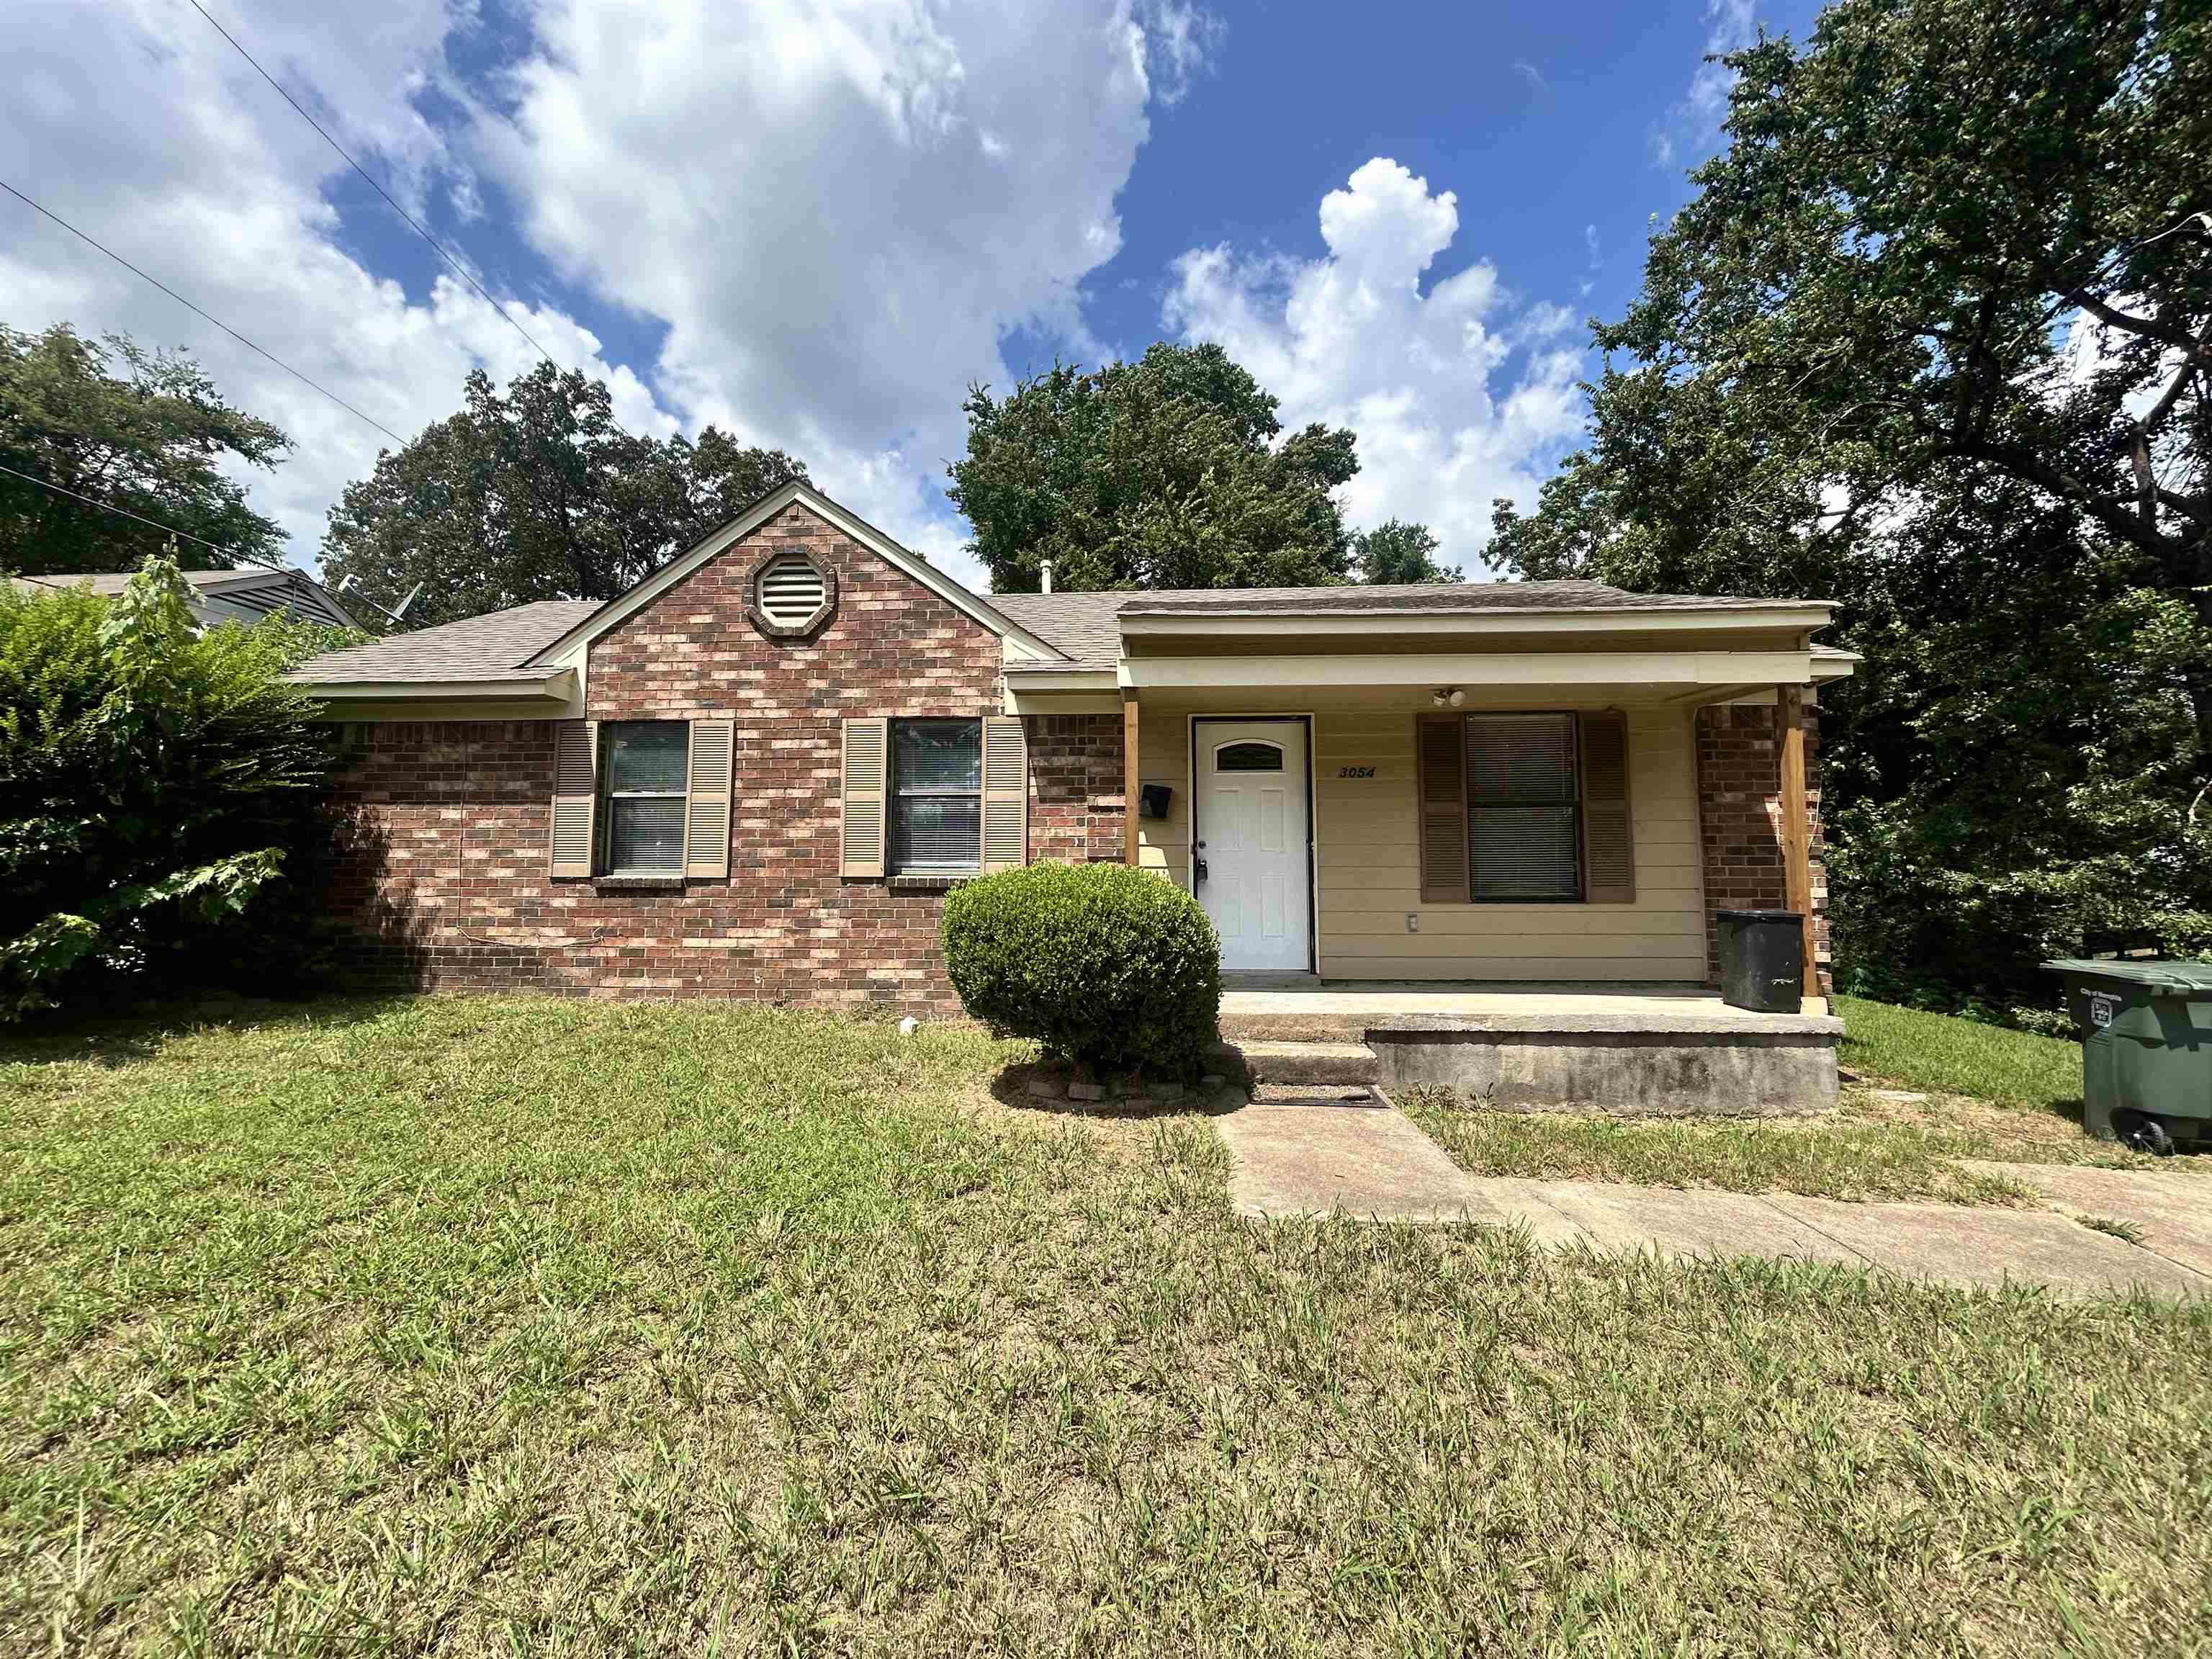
[
  {"x": 159, "y": 798},
  {"x": 1396, "y": 552},
  {"x": 1164, "y": 472},
  {"x": 535, "y": 493},
  {"x": 151, "y": 441},
  {"x": 1934, "y": 338}
]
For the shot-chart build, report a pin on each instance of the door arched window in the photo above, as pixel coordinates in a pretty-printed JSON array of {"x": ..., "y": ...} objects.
[{"x": 1250, "y": 756}]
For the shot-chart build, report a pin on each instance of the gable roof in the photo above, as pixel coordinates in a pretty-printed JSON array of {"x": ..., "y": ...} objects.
[
  {"x": 641, "y": 594},
  {"x": 492, "y": 646},
  {"x": 1087, "y": 626},
  {"x": 245, "y": 595}
]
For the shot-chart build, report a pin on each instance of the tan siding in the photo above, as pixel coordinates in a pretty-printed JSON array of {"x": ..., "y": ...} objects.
[
  {"x": 1370, "y": 874},
  {"x": 1163, "y": 756}
]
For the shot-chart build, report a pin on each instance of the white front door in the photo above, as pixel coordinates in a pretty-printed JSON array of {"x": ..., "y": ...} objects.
[{"x": 1251, "y": 840}]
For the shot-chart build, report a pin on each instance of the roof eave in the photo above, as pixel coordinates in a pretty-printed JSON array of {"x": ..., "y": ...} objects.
[
  {"x": 557, "y": 687},
  {"x": 1423, "y": 620}
]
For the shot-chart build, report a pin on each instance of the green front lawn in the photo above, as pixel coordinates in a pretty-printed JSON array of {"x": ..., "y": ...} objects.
[
  {"x": 475, "y": 1327},
  {"x": 1953, "y": 1056}
]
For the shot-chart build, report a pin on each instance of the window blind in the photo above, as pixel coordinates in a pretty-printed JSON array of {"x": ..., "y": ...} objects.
[
  {"x": 646, "y": 778},
  {"x": 937, "y": 794},
  {"x": 1524, "y": 815}
]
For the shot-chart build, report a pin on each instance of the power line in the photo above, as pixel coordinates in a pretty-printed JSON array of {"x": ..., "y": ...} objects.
[
  {"x": 414, "y": 224},
  {"x": 197, "y": 310},
  {"x": 124, "y": 512}
]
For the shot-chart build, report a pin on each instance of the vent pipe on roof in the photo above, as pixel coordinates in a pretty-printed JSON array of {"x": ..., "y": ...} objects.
[{"x": 1045, "y": 570}]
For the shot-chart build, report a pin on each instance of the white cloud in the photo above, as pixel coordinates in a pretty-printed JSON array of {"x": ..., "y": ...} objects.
[
  {"x": 1533, "y": 76},
  {"x": 835, "y": 212},
  {"x": 1351, "y": 339},
  {"x": 152, "y": 135},
  {"x": 1692, "y": 124}
]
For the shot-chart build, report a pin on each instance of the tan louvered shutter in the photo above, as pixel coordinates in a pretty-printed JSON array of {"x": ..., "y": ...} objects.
[
  {"x": 707, "y": 823},
  {"x": 1608, "y": 834},
  {"x": 576, "y": 786},
  {"x": 1443, "y": 808},
  {"x": 867, "y": 766},
  {"x": 1005, "y": 793}
]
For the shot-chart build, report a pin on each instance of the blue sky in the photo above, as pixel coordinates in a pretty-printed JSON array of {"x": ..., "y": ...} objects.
[{"x": 813, "y": 224}]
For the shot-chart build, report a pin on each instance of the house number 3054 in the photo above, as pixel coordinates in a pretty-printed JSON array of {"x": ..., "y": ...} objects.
[{"x": 1355, "y": 771}]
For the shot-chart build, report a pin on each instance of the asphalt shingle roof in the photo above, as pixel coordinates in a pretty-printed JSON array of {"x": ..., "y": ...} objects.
[
  {"x": 487, "y": 647},
  {"x": 1087, "y": 625}
]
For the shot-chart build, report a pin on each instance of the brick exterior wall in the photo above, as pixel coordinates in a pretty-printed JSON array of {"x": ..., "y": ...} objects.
[
  {"x": 1075, "y": 788},
  {"x": 440, "y": 875},
  {"x": 1740, "y": 816}
]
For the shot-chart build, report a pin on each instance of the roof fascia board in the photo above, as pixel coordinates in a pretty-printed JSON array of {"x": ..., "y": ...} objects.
[
  {"x": 1050, "y": 679},
  {"x": 1256, "y": 622},
  {"x": 625, "y": 605},
  {"x": 558, "y": 686},
  {"x": 1681, "y": 668}
]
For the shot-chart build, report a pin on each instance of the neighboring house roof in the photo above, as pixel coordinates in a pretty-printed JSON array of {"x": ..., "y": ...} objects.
[
  {"x": 492, "y": 646},
  {"x": 244, "y": 595},
  {"x": 1087, "y": 626}
]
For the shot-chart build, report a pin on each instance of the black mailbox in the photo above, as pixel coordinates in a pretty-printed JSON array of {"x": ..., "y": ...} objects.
[{"x": 1153, "y": 799}]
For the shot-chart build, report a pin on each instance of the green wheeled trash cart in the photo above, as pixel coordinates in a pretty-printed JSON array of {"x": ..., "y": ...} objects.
[{"x": 2146, "y": 1049}]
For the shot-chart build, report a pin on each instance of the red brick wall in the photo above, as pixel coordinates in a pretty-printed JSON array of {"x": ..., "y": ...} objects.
[
  {"x": 1075, "y": 788},
  {"x": 442, "y": 871},
  {"x": 1740, "y": 814}
]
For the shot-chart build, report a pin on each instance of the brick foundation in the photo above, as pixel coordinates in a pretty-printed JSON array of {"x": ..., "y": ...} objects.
[
  {"x": 1740, "y": 818},
  {"x": 440, "y": 877}
]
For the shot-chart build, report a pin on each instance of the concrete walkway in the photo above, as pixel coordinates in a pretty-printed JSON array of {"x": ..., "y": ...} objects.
[{"x": 1308, "y": 1153}]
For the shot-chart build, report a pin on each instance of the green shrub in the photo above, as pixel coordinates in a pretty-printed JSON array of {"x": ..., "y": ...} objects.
[
  {"x": 1104, "y": 964},
  {"x": 159, "y": 798}
]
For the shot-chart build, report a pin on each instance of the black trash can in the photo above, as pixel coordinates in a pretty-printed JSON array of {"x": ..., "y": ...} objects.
[{"x": 1762, "y": 960}]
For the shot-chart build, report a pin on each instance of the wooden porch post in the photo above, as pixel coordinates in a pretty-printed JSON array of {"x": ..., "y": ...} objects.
[
  {"x": 1796, "y": 823},
  {"x": 1129, "y": 775}
]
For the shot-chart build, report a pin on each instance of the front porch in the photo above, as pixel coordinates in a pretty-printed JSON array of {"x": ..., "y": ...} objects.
[{"x": 1660, "y": 1050}]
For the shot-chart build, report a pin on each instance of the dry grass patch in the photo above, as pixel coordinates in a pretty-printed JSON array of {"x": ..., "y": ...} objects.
[{"x": 468, "y": 1328}]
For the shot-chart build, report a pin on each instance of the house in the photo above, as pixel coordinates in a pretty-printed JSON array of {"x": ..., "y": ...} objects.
[
  {"x": 244, "y": 595},
  {"x": 756, "y": 773}
]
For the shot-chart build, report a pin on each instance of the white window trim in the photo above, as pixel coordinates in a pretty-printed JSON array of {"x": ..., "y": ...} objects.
[{"x": 608, "y": 795}]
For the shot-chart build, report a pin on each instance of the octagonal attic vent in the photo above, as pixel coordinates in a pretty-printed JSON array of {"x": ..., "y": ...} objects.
[{"x": 792, "y": 594}]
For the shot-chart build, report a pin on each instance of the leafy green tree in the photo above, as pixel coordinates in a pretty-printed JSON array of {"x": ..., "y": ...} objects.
[
  {"x": 1164, "y": 472},
  {"x": 1396, "y": 552},
  {"x": 150, "y": 439},
  {"x": 535, "y": 493},
  {"x": 1934, "y": 339},
  {"x": 159, "y": 801}
]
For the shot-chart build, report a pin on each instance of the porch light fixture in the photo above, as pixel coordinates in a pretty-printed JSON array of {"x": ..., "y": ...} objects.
[{"x": 1448, "y": 696}]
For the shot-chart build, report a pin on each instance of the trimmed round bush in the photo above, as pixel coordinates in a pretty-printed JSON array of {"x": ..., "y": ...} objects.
[{"x": 1109, "y": 966}]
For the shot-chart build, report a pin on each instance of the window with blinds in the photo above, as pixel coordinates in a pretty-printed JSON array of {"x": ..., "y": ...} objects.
[
  {"x": 937, "y": 795},
  {"x": 644, "y": 770},
  {"x": 1523, "y": 807}
]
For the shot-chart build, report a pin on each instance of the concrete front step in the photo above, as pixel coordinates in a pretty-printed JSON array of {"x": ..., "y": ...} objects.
[{"x": 1342, "y": 1065}]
